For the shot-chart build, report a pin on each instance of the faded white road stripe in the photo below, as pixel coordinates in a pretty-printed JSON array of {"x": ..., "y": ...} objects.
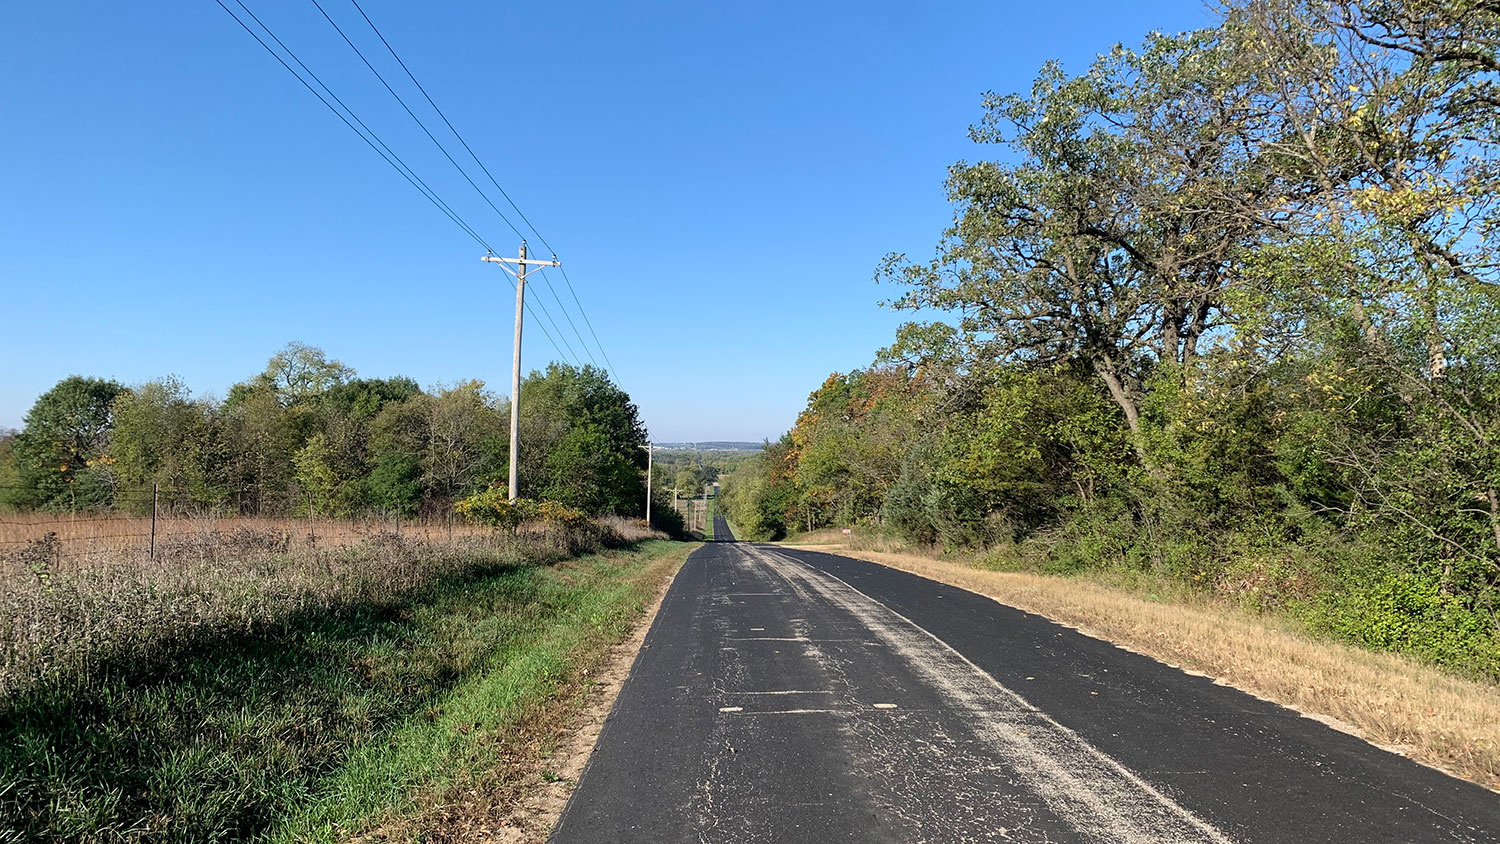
[{"x": 1101, "y": 798}]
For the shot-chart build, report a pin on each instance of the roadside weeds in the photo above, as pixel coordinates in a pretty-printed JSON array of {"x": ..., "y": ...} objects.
[
  {"x": 1447, "y": 722},
  {"x": 536, "y": 761}
]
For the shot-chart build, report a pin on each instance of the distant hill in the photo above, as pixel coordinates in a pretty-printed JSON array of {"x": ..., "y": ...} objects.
[{"x": 715, "y": 445}]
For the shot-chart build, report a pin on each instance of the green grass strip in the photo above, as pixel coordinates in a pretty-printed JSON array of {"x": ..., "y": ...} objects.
[{"x": 424, "y": 752}]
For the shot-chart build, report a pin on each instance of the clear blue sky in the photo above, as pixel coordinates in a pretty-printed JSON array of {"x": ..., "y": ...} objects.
[{"x": 719, "y": 178}]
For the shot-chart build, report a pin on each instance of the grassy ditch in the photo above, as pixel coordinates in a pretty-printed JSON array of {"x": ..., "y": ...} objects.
[
  {"x": 1420, "y": 710},
  {"x": 353, "y": 698}
]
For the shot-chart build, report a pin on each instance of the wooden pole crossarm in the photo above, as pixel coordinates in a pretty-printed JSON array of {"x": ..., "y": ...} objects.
[{"x": 526, "y": 262}]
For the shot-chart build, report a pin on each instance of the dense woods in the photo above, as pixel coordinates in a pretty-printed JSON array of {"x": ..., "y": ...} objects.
[
  {"x": 308, "y": 434},
  {"x": 1222, "y": 308}
]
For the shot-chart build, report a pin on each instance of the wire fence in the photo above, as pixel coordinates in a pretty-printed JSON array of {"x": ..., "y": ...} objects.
[
  {"x": 104, "y": 496},
  {"x": 161, "y": 520}
]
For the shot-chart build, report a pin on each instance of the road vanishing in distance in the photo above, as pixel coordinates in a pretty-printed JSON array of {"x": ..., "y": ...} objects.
[{"x": 792, "y": 696}]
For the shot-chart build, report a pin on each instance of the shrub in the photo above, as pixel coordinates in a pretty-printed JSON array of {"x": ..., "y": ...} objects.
[
  {"x": 493, "y": 507},
  {"x": 665, "y": 518},
  {"x": 1411, "y": 613}
]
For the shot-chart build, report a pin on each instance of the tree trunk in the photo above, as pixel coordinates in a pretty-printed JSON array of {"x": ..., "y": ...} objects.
[
  {"x": 1104, "y": 367},
  {"x": 1437, "y": 357},
  {"x": 1195, "y": 329},
  {"x": 1361, "y": 316},
  {"x": 1173, "y": 315},
  {"x": 1493, "y": 496}
]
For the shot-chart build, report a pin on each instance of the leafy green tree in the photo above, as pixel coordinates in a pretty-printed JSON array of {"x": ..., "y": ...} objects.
[
  {"x": 306, "y": 428},
  {"x": 688, "y": 482},
  {"x": 466, "y": 440},
  {"x": 664, "y": 514},
  {"x": 584, "y": 471},
  {"x": 1228, "y": 311},
  {"x": 10, "y": 475},
  {"x": 299, "y": 372},
  {"x": 364, "y": 398},
  {"x": 1114, "y": 236},
  {"x": 1389, "y": 110},
  {"x": 261, "y": 436},
  {"x": 62, "y": 453},
  {"x": 162, "y": 438},
  {"x": 1038, "y": 442},
  {"x": 759, "y": 496},
  {"x": 323, "y": 472},
  {"x": 431, "y": 449},
  {"x": 752, "y": 502},
  {"x": 395, "y": 484},
  {"x": 317, "y": 477},
  {"x": 564, "y": 407},
  {"x": 342, "y": 418}
]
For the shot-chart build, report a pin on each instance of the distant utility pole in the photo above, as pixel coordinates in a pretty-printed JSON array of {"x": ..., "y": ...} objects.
[
  {"x": 515, "y": 365},
  {"x": 650, "y": 455}
]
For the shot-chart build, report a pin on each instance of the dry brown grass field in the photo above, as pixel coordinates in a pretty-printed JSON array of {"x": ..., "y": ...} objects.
[
  {"x": 86, "y": 538},
  {"x": 92, "y": 590}
]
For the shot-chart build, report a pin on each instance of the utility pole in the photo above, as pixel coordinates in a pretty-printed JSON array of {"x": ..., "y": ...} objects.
[
  {"x": 650, "y": 456},
  {"x": 515, "y": 366}
]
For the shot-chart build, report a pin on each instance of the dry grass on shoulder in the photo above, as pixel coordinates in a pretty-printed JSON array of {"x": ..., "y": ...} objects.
[
  {"x": 1420, "y": 711},
  {"x": 823, "y": 537}
]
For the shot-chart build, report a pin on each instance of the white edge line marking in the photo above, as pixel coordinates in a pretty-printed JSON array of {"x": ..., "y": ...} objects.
[
  {"x": 787, "y": 692},
  {"x": 1121, "y": 823},
  {"x": 786, "y": 639},
  {"x": 799, "y": 712}
]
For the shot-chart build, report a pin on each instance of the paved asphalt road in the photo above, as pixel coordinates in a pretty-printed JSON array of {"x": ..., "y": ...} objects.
[{"x": 790, "y": 696}]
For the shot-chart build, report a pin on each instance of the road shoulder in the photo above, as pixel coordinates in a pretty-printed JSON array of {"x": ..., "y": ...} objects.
[
  {"x": 1394, "y": 703},
  {"x": 520, "y": 800},
  {"x": 550, "y": 783}
]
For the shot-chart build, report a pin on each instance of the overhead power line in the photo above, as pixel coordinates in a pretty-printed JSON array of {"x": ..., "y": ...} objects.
[
  {"x": 446, "y": 122},
  {"x": 364, "y": 132},
  {"x": 371, "y": 138},
  {"x": 544, "y": 311},
  {"x": 414, "y": 117},
  {"x": 491, "y": 176},
  {"x": 401, "y": 101},
  {"x": 510, "y": 277},
  {"x": 569, "y": 317},
  {"x": 585, "y": 315}
]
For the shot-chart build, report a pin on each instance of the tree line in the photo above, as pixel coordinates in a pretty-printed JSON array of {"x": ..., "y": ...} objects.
[
  {"x": 307, "y": 434},
  {"x": 1226, "y": 309}
]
